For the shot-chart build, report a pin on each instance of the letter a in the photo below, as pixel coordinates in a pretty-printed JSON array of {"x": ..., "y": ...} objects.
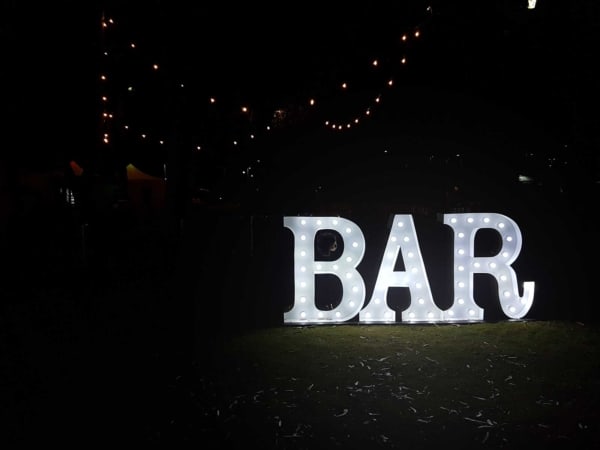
[{"x": 402, "y": 238}]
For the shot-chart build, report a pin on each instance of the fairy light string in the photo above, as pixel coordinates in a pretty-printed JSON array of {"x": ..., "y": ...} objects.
[{"x": 131, "y": 82}]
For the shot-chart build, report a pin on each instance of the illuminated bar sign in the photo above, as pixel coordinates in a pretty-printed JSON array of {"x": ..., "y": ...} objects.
[{"x": 403, "y": 239}]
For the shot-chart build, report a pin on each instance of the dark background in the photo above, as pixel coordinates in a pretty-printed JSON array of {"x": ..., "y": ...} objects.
[
  {"x": 102, "y": 309},
  {"x": 538, "y": 62}
]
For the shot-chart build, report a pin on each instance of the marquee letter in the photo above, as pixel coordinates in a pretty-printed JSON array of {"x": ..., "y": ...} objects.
[
  {"x": 466, "y": 264},
  {"x": 402, "y": 238},
  {"x": 305, "y": 268}
]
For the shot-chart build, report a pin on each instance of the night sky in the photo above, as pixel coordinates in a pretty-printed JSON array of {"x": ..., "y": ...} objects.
[{"x": 537, "y": 63}]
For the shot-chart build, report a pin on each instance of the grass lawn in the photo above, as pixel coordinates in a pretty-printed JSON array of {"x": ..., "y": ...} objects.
[{"x": 481, "y": 385}]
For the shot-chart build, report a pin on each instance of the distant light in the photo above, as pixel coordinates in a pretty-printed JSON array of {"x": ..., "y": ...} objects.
[
  {"x": 130, "y": 88},
  {"x": 344, "y": 85},
  {"x": 244, "y": 109},
  {"x": 417, "y": 33},
  {"x": 212, "y": 100},
  {"x": 375, "y": 63},
  {"x": 404, "y": 37},
  {"x": 531, "y": 4},
  {"x": 155, "y": 66},
  {"x": 525, "y": 179},
  {"x": 403, "y": 60},
  {"x": 390, "y": 82},
  {"x": 103, "y": 77},
  {"x": 132, "y": 45},
  {"x": 311, "y": 102}
]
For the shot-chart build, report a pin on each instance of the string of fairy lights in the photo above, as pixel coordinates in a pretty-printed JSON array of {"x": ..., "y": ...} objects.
[
  {"x": 341, "y": 125},
  {"x": 242, "y": 123},
  {"x": 117, "y": 121}
]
